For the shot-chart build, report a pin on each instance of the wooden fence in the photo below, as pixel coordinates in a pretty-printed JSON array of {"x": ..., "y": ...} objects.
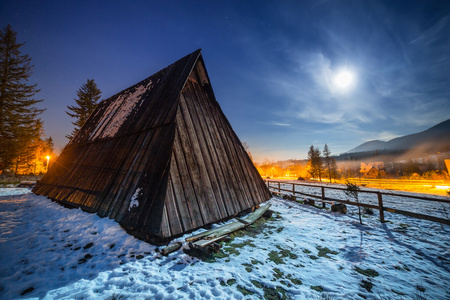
[{"x": 275, "y": 187}]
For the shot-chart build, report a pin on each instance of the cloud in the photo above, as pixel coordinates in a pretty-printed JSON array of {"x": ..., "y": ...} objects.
[
  {"x": 432, "y": 34},
  {"x": 308, "y": 88},
  {"x": 279, "y": 124},
  {"x": 383, "y": 136}
]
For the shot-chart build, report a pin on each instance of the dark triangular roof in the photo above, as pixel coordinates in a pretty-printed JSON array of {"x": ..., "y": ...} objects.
[{"x": 159, "y": 157}]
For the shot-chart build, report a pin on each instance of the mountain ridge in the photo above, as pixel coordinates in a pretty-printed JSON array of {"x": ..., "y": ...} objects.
[{"x": 432, "y": 140}]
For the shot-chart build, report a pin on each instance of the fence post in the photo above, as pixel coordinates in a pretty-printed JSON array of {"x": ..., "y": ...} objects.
[
  {"x": 279, "y": 187},
  {"x": 323, "y": 196},
  {"x": 380, "y": 205}
]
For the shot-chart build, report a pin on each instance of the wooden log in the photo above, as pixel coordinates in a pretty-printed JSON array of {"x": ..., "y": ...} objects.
[
  {"x": 171, "y": 248},
  {"x": 205, "y": 242},
  {"x": 229, "y": 228},
  {"x": 242, "y": 221},
  {"x": 257, "y": 214}
]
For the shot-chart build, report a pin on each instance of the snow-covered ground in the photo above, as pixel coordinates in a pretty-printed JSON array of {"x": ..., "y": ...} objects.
[
  {"x": 48, "y": 251},
  {"x": 436, "y": 209}
]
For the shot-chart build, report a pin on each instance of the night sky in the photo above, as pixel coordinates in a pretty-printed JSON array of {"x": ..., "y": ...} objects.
[{"x": 273, "y": 64}]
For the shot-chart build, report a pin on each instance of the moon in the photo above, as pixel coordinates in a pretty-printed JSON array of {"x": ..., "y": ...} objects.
[{"x": 344, "y": 79}]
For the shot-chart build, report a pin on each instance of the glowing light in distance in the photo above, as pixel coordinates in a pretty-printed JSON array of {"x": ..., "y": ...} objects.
[
  {"x": 344, "y": 79},
  {"x": 442, "y": 187}
]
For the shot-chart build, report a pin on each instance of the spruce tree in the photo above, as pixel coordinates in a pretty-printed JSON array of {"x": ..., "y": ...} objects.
[
  {"x": 18, "y": 115},
  {"x": 334, "y": 169},
  {"x": 327, "y": 161},
  {"x": 318, "y": 163},
  {"x": 311, "y": 161},
  {"x": 87, "y": 101},
  {"x": 315, "y": 162}
]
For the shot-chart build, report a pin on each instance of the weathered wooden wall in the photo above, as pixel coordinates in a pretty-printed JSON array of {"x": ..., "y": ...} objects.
[{"x": 165, "y": 145}]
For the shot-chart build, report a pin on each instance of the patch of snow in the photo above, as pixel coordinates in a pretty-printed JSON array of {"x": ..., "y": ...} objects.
[
  {"x": 118, "y": 111},
  {"x": 52, "y": 252},
  {"x": 134, "y": 202},
  {"x": 14, "y": 191}
]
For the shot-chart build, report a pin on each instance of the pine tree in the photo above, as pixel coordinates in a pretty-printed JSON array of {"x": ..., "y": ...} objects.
[
  {"x": 315, "y": 162},
  {"x": 318, "y": 163},
  {"x": 334, "y": 169},
  {"x": 87, "y": 101},
  {"x": 19, "y": 120},
  {"x": 311, "y": 158},
  {"x": 327, "y": 159}
]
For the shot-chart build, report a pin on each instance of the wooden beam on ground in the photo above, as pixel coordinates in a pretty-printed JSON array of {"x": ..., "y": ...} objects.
[
  {"x": 229, "y": 228},
  {"x": 242, "y": 221},
  {"x": 203, "y": 243},
  {"x": 171, "y": 248}
]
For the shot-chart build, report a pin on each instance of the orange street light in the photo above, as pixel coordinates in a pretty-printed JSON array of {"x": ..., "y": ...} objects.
[{"x": 48, "y": 160}]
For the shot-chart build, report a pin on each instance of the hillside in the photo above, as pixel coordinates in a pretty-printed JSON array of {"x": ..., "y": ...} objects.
[{"x": 432, "y": 140}]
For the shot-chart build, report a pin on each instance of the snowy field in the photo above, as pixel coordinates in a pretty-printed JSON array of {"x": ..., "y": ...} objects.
[
  {"x": 436, "y": 209},
  {"x": 51, "y": 252}
]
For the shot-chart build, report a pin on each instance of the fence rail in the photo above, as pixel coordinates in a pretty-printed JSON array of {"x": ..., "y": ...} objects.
[{"x": 380, "y": 207}]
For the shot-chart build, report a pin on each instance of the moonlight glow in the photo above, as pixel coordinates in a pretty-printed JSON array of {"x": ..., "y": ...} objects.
[{"x": 344, "y": 79}]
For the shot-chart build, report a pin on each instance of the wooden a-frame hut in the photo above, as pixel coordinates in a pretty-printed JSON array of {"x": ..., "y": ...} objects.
[{"x": 159, "y": 157}]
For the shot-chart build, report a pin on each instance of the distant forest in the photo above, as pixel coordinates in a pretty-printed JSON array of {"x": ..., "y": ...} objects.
[{"x": 368, "y": 164}]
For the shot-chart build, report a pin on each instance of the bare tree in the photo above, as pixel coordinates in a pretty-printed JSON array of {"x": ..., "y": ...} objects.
[{"x": 353, "y": 191}]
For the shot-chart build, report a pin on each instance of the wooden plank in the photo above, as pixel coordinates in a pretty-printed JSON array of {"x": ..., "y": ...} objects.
[
  {"x": 205, "y": 242},
  {"x": 165, "y": 227},
  {"x": 135, "y": 161},
  {"x": 232, "y": 146},
  {"x": 189, "y": 130},
  {"x": 154, "y": 181},
  {"x": 195, "y": 175},
  {"x": 102, "y": 174},
  {"x": 186, "y": 184},
  {"x": 195, "y": 112},
  {"x": 254, "y": 176},
  {"x": 183, "y": 202},
  {"x": 257, "y": 214},
  {"x": 417, "y": 216},
  {"x": 227, "y": 182},
  {"x": 119, "y": 185},
  {"x": 230, "y": 227},
  {"x": 232, "y": 168},
  {"x": 174, "y": 216}
]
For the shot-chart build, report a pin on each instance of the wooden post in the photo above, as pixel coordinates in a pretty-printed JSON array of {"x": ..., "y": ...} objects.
[
  {"x": 293, "y": 190},
  {"x": 380, "y": 205},
  {"x": 323, "y": 197},
  {"x": 279, "y": 187},
  {"x": 171, "y": 248}
]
